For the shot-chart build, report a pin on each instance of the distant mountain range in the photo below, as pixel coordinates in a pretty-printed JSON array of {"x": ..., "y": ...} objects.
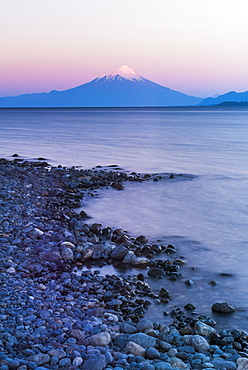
[
  {"x": 123, "y": 88},
  {"x": 231, "y": 96}
]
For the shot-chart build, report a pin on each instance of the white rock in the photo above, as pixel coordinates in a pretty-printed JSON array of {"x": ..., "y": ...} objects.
[
  {"x": 135, "y": 349},
  {"x": 242, "y": 363},
  {"x": 100, "y": 339},
  {"x": 11, "y": 270}
]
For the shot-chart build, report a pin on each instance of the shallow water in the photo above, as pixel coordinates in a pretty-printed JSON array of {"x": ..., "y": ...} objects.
[{"x": 205, "y": 217}]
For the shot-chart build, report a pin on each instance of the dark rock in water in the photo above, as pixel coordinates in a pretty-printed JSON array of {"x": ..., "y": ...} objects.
[
  {"x": 15, "y": 155},
  {"x": 223, "y": 307},
  {"x": 142, "y": 239},
  {"x": 96, "y": 228},
  {"x": 189, "y": 282},
  {"x": 189, "y": 306},
  {"x": 163, "y": 293},
  {"x": 155, "y": 272},
  {"x": 119, "y": 253}
]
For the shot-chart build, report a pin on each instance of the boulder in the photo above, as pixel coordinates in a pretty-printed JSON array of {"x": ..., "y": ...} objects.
[{"x": 223, "y": 307}]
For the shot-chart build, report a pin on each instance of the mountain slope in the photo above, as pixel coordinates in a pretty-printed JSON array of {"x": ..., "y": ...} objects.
[
  {"x": 123, "y": 88},
  {"x": 231, "y": 96}
]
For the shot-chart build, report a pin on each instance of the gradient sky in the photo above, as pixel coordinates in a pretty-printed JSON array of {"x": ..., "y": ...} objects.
[{"x": 198, "y": 47}]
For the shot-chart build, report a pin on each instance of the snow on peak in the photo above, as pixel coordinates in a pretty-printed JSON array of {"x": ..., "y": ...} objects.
[{"x": 125, "y": 72}]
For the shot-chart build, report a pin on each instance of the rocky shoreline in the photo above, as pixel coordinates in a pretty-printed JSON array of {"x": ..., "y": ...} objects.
[{"x": 54, "y": 318}]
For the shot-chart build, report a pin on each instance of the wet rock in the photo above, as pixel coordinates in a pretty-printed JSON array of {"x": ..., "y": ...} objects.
[
  {"x": 223, "y": 307},
  {"x": 156, "y": 272},
  {"x": 190, "y": 306},
  {"x": 119, "y": 253},
  {"x": 142, "y": 239}
]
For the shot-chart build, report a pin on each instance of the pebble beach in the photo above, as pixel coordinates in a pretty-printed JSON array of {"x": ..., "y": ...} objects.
[{"x": 57, "y": 314}]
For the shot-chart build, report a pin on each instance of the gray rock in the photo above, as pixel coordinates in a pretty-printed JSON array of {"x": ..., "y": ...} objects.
[
  {"x": 59, "y": 352},
  {"x": 66, "y": 254},
  {"x": 242, "y": 363},
  {"x": 177, "y": 362},
  {"x": 204, "y": 329},
  {"x": 143, "y": 340},
  {"x": 164, "y": 345},
  {"x": 40, "y": 358},
  {"x": 100, "y": 339},
  {"x": 197, "y": 341},
  {"x": 77, "y": 361},
  {"x": 144, "y": 324},
  {"x": 135, "y": 349},
  {"x": 223, "y": 307},
  {"x": 127, "y": 328}
]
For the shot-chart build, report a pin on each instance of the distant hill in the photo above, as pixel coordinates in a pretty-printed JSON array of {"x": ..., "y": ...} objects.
[
  {"x": 231, "y": 96},
  {"x": 123, "y": 88}
]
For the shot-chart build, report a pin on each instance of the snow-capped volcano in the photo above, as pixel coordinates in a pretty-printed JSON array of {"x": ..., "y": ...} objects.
[
  {"x": 123, "y": 88},
  {"x": 126, "y": 73}
]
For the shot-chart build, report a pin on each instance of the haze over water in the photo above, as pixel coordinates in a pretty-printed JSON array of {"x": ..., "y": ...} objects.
[{"x": 204, "y": 217}]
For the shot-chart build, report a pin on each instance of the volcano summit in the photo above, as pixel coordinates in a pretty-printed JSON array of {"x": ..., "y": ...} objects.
[{"x": 123, "y": 88}]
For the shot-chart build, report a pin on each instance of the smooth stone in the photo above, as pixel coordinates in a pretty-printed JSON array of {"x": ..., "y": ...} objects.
[
  {"x": 101, "y": 339},
  {"x": 40, "y": 358},
  {"x": 119, "y": 253},
  {"x": 155, "y": 272},
  {"x": 143, "y": 340},
  {"x": 58, "y": 352},
  {"x": 127, "y": 328},
  {"x": 152, "y": 353},
  {"x": 144, "y": 324},
  {"x": 66, "y": 254},
  {"x": 94, "y": 364},
  {"x": 220, "y": 364},
  {"x": 77, "y": 361},
  {"x": 135, "y": 349},
  {"x": 223, "y": 307}
]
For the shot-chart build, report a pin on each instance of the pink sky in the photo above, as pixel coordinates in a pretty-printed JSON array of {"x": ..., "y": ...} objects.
[{"x": 196, "y": 47}]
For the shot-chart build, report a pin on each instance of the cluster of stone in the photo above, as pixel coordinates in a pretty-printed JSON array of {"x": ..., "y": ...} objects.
[{"x": 53, "y": 318}]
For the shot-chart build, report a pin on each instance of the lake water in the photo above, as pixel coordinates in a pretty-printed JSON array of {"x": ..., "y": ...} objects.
[{"x": 206, "y": 217}]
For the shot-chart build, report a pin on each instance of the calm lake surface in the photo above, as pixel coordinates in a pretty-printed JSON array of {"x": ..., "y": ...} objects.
[{"x": 206, "y": 217}]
